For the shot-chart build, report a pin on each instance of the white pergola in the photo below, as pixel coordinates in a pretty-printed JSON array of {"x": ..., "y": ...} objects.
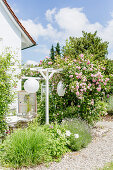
[{"x": 46, "y": 73}]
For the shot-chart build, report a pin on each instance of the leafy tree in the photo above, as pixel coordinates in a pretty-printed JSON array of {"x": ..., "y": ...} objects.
[
  {"x": 87, "y": 44},
  {"x": 52, "y": 53},
  {"x": 57, "y": 49}
]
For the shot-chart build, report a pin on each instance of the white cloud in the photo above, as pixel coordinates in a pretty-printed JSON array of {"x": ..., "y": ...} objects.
[
  {"x": 43, "y": 49},
  {"x": 29, "y": 62},
  {"x": 71, "y": 20},
  {"x": 33, "y": 28},
  {"x": 67, "y": 22},
  {"x": 37, "y": 30},
  {"x": 49, "y": 14}
]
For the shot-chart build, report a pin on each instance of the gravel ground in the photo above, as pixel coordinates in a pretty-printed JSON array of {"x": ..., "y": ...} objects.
[{"x": 98, "y": 152}]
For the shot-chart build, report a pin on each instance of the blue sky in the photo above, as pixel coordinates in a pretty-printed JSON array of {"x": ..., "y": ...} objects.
[{"x": 52, "y": 21}]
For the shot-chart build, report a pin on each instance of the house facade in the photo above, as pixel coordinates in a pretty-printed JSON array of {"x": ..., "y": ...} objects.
[{"x": 14, "y": 36}]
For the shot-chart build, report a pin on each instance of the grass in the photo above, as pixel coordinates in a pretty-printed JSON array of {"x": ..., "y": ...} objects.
[
  {"x": 24, "y": 148},
  {"x": 108, "y": 166}
]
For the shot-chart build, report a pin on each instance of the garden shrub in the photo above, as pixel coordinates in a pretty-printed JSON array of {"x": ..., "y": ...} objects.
[
  {"x": 57, "y": 143},
  {"x": 24, "y": 148},
  {"x": 78, "y": 133},
  {"x": 6, "y": 84}
]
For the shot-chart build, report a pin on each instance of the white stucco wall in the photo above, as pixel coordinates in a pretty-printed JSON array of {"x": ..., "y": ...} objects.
[{"x": 10, "y": 36}]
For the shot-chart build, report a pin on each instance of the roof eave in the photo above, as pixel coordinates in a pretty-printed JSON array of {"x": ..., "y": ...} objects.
[{"x": 23, "y": 30}]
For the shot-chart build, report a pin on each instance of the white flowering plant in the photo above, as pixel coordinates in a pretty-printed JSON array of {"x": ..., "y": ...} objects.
[{"x": 77, "y": 133}]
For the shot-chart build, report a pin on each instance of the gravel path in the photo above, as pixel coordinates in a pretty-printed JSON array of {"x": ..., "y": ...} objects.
[{"x": 98, "y": 152}]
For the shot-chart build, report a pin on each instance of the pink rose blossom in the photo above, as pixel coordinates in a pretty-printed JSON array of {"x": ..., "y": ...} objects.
[
  {"x": 91, "y": 69},
  {"x": 47, "y": 57},
  {"x": 88, "y": 62},
  {"x": 97, "y": 83},
  {"x": 94, "y": 80},
  {"x": 92, "y": 65},
  {"x": 76, "y": 74},
  {"x": 78, "y": 105},
  {"x": 74, "y": 60},
  {"x": 72, "y": 87},
  {"x": 80, "y": 97},
  {"x": 105, "y": 84},
  {"x": 77, "y": 93},
  {"x": 49, "y": 62},
  {"x": 103, "y": 68},
  {"x": 80, "y": 73},
  {"x": 78, "y": 77},
  {"x": 78, "y": 67},
  {"x": 71, "y": 76},
  {"x": 41, "y": 61},
  {"x": 98, "y": 88},
  {"x": 81, "y": 55},
  {"x": 84, "y": 79},
  {"x": 107, "y": 79},
  {"x": 92, "y": 75},
  {"x": 77, "y": 87},
  {"x": 84, "y": 68},
  {"x": 84, "y": 89},
  {"x": 92, "y": 102},
  {"x": 89, "y": 85}
]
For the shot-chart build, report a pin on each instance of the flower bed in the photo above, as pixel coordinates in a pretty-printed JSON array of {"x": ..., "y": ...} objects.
[{"x": 40, "y": 144}]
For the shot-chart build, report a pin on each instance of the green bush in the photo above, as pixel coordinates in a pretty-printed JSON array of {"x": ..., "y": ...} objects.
[
  {"x": 110, "y": 104},
  {"x": 78, "y": 133},
  {"x": 57, "y": 143},
  {"x": 24, "y": 148},
  {"x": 6, "y": 84}
]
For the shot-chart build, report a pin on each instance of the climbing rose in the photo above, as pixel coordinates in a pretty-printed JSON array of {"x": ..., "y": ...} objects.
[
  {"x": 98, "y": 88},
  {"x": 71, "y": 76},
  {"x": 49, "y": 62},
  {"x": 77, "y": 93}
]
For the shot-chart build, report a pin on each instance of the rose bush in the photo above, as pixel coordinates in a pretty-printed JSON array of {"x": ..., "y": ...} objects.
[{"x": 85, "y": 84}]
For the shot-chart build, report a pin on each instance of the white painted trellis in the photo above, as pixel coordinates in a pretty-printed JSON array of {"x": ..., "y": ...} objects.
[{"x": 46, "y": 73}]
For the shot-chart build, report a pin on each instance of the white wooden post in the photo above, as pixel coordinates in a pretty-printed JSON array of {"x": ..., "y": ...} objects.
[{"x": 47, "y": 97}]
